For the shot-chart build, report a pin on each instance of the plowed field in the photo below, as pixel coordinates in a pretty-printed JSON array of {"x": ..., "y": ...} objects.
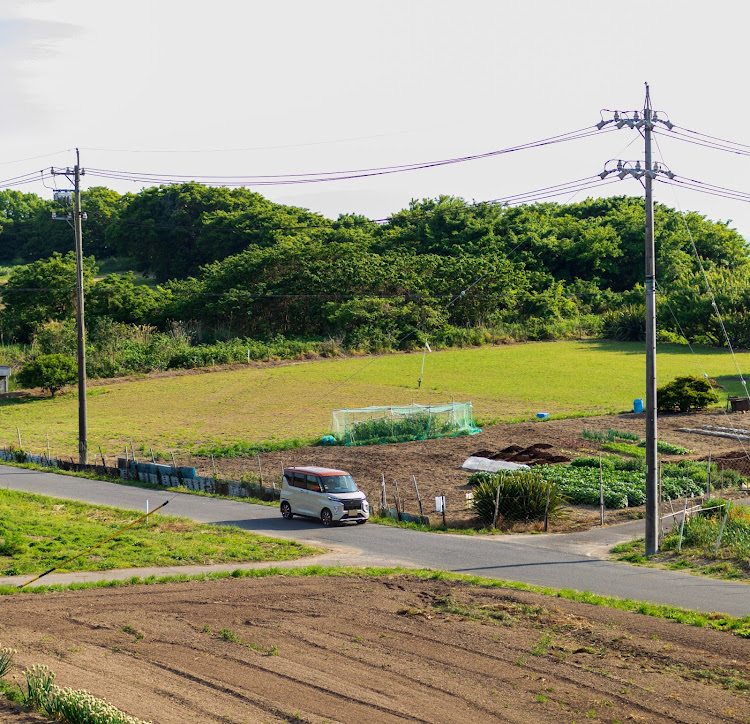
[{"x": 393, "y": 649}]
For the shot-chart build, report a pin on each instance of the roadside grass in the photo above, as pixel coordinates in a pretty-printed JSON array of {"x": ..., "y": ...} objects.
[
  {"x": 739, "y": 626},
  {"x": 39, "y": 532},
  {"x": 697, "y": 552},
  {"x": 233, "y": 410}
]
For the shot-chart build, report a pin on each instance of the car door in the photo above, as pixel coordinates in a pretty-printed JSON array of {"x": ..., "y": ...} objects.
[
  {"x": 300, "y": 502},
  {"x": 315, "y": 496}
]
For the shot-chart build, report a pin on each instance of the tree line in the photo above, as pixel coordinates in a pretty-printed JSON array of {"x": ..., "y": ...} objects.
[{"x": 231, "y": 270}]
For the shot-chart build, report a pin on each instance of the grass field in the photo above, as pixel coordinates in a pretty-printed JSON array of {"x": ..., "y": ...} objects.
[
  {"x": 38, "y": 532},
  {"x": 295, "y": 401}
]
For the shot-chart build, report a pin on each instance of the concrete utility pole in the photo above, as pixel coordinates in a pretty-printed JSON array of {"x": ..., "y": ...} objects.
[
  {"x": 83, "y": 444},
  {"x": 77, "y": 217},
  {"x": 646, "y": 123}
]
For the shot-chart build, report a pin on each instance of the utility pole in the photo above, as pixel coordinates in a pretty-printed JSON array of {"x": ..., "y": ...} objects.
[
  {"x": 646, "y": 124},
  {"x": 78, "y": 217}
]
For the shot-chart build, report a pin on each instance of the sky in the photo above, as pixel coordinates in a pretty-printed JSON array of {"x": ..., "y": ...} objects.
[{"x": 248, "y": 88}]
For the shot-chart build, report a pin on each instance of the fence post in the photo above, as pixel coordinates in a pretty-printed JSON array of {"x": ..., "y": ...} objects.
[
  {"x": 104, "y": 462},
  {"x": 419, "y": 499},
  {"x": 546, "y": 507},
  {"x": 18, "y": 430},
  {"x": 48, "y": 455},
  {"x": 601, "y": 493},
  {"x": 497, "y": 504},
  {"x": 260, "y": 472},
  {"x": 383, "y": 498},
  {"x": 708, "y": 478},
  {"x": 444, "y": 523},
  {"x": 682, "y": 525},
  {"x": 399, "y": 508},
  {"x": 721, "y": 532}
]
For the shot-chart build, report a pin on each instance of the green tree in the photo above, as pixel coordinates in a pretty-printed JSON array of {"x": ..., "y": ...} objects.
[
  {"x": 686, "y": 393},
  {"x": 40, "y": 292},
  {"x": 51, "y": 372}
]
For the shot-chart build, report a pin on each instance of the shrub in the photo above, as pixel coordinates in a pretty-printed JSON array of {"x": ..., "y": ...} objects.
[
  {"x": 523, "y": 496},
  {"x": 686, "y": 393},
  {"x": 50, "y": 372}
]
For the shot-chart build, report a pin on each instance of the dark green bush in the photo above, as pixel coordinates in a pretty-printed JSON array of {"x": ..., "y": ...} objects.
[
  {"x": 523, "y": 496},
  {"x": 686, "y": 393},
  {"x": 51, "y": 372}
]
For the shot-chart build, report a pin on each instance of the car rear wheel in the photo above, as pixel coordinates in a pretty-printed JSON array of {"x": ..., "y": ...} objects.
[
  {"x": 286, "y": 510},
  {"x": 326, "y": 517}
]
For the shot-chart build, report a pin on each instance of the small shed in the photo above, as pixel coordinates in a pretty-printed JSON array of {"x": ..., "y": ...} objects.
[{"x": 4, "y": 375}]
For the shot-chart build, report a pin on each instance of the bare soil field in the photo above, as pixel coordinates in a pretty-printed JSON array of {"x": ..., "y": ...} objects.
[
  {"x": 361, "y": 649},
  {"x": 436, "y": 464}
]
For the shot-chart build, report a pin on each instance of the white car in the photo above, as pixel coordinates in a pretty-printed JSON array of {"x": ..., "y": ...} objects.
[{"x": 331, "y": 496}]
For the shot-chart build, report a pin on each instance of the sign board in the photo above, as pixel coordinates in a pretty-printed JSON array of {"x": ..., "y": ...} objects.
[{"x": 440, "y": 504}]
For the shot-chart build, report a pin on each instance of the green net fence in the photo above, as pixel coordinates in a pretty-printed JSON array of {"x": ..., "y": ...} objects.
[{"x": 373, "y": 425}]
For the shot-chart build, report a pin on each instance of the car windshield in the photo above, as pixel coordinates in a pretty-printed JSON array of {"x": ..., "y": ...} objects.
[{"x": 339, "y": 484}]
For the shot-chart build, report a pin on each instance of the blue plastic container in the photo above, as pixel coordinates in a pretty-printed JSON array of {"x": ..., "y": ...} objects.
[
  {"x": 638, "y": 405},
  {"x": 542, "y": 415}
]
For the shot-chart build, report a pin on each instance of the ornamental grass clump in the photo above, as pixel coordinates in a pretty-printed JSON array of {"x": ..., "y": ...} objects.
[
  {"x": 6, "y": 661},
  {"x": 523, "y": 496},
  {"x": 71, "y": 706}
]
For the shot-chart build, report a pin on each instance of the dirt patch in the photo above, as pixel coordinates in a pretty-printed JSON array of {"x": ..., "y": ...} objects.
[
  {"x": 391, "y": 649},
  {"x": 436, "y": 464}
]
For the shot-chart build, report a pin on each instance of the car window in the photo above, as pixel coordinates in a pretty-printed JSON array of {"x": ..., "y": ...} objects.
[
  {"x": 339, "y": 484},
  {"x": 300, "y": 480},
  {"x": 313, "y": 483}
]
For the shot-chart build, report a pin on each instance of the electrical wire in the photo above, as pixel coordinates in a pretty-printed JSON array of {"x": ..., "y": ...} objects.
[{"x": 324, "y": 176}]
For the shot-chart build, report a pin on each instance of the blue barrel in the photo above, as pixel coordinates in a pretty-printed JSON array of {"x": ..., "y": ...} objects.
[{"x": 638, "y": 405}]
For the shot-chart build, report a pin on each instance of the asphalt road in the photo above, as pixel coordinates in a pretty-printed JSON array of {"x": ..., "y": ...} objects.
[{"x": 560, "y": 561}]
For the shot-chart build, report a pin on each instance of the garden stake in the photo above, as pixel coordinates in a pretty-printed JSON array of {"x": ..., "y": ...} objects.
[
  {"x": 419, "y": 499},
  {"x": 682, "y": 525},
  {"x": 213, "y": 465},
  {"x": 708, "y": 477},
  {"x": 18, "y": 430},
  {"x": 260, "y": 471},
  {"x": 398, "y": 497},
  {"x": 382, "y": 491},
  {"x": 122, "y": 530},
  {"x": 497, "y": 505},
  {"x": 546, "y": 508},
  {"x": 721, "y": 531},
  {"x": 601, "y": 493},
  {"x": 174, "y": 462},
  {"x": 47, "y": 447},
  {"x": 104, "y": 462},
  {"x": 444, "y": 524},
  {"x": 135, "y": 461},
  {"x": 153, "y": 459},
  {"x": 127, "y": 462}
]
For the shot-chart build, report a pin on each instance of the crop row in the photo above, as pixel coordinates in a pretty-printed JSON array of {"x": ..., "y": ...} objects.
[{"x": 622, "y": 488}]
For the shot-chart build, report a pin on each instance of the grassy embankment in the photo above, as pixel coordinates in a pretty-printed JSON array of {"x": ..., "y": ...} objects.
[
  {"x": 38, "y": 532},
  {"x": 183, "y": 412}
]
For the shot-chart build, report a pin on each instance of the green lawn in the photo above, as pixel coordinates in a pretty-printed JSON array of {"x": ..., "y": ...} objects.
[
  {"x": 38, "y": 533},
  {"x": 274, "y": 403}
]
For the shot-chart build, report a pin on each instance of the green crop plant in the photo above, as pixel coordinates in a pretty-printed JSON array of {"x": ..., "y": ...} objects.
[
  {"x": 523, "y": 496},
  {"x": 625, "y": 448},
  {"x": 6, "y": 660}
]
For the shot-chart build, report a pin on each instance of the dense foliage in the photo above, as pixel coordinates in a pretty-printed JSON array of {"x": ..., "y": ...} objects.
[
  {"x": 525, "y": 496},
  {"x": 686, "y": 393},
  {"x": 51, "y": 372},
  {"x": 233, "y": 265}
]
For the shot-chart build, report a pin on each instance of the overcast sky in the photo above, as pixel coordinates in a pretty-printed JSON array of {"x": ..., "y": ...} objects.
[{"x": 247, "y": 88}]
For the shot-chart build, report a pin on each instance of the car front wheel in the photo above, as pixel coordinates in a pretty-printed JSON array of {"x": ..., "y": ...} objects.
[
  {"x": 286, "y": 511},
  {"x": 326, "y": 517}
]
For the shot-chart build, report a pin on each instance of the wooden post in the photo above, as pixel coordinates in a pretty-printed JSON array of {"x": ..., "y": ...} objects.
[
  {"x": 104, "y": 462},
  {"x": 682, "y": 525},
  {"x": 721, "y": 532},
  {"x": 398, "y": 498},
  {"x": 497, "y": 504},
  {"x": 419, "y": 499},
  {"x": 18, "y": 430},
  {"x": 546, "y": 508},
  {"x": 174, "y": 462},
  {"x": 135, "y": 460},
  {"x": 260, "y": 471},
  {"x": 708, "y": 477},
  {"x": 153, "y": 459},
  {"x": 48, "y": 455},
  {"x": 444, "y": 523},
  {"x": 383, "y": 499},
  {"x": 601, "y": 493},
  {"x": 213, "y": 465}
]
